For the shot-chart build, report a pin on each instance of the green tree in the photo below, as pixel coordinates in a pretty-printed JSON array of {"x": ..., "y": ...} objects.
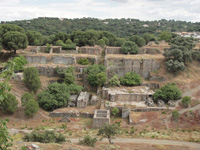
[
  {"x": 59, "y": 43},
  {"x": 55, "y": 96},
  {"x": 120, "y": 42},
  {"x": 166, "y": 36},
  {"x": 101, "y": 43},
  {"x": 131, "y": 79},
  {"x": 129, "y": 47},
  {"x": 83, "y": 61},
  {"x": 35, "y": 38},
  {"x": 148, "y": 37},
  {"x": 138, "y": 40},
  {"x": 186, "y": 101},
  {"x": 9, "y": 105},
  {"x": 14, "y": 40},
  {"x": 114, "y": 81},
  {"x": 109, "y": 131},
  {"x": 74, "y": 88},
  {"x": 20, "y": 62},
  {"x": 92, "y": 72},
  {"x": 5, "y": 138},
  {"x": 167, "y": 92},
  {"x": 175, "y": 66},
  {"x": 101, "y": 79},
  {"x": 31, "y": 108},
  {"x": 31, "y": 79},
  {"x": 26, "y": 97}
]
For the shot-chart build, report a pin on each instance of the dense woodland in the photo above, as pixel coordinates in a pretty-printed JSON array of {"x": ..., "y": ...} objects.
[{"x": 120, "y": 27}]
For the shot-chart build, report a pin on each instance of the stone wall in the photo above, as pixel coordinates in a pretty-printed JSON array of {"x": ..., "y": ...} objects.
[
  {"x": 113, "y": 50},
  {"x": 101, "y": 117},
  {"x": 82, "y": 100},
  {"x": 96, "y": 50},
  {"x": 121, "y": 66},
  {"x": 71, "y": 114},
  {"x": 58, "y": 59}
]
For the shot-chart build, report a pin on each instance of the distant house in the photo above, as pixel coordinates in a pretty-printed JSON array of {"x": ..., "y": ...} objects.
[{"x": 145, "y": 25}]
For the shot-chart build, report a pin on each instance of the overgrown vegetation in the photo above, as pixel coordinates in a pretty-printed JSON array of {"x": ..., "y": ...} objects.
[
  {"x": 19, "y": 61},
  {"x": 129, "y": 47},
  {"x": 9, "y": 104},
  {"x": 114, "y": 81},
  {"x": 131, "y": 79},
  {"x": 31, "y": 108},
  {"x": 186, "y": 101},
  {"x": 26, "y": 97},
  {"x": 167, "y": 92},
  {"x": 44, "y": 137}
]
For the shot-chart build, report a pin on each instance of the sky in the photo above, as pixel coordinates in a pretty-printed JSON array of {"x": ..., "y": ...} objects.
[{"x": 186, "y": 10}]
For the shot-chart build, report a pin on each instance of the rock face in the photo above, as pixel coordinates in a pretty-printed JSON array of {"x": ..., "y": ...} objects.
[
  {"x": 121, "y": 66},
  {"x": 82, "y": 100}
]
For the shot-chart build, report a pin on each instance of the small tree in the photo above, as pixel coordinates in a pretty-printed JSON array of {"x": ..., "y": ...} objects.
[
  {"x": 115, "y": 111},
  {"x": 186, "y": 101},
  {"x": 114, "y": 81},
  {"x": 88, "y": 141},
  {"x": 31, "y": 78},
  {"x": 9, "y": 105},
  {"x": 83, "y": 61},
  {"x": 26, "y": 97},
  {"x": 69, "y": 78},
  {"x": 131, "y": 79},
  {"x": 108, "y": 131},
  {"x": 5, "y": 139},
  {"x": 31, "y": 108},
  {"x": 175, "y": 115}
]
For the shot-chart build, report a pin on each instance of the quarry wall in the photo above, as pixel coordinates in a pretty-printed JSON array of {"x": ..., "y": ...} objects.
[{"x": 122, "y": 65}]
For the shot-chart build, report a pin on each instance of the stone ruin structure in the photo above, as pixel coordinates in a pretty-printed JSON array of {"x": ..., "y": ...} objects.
[
  {"x": 93, "y": 50},
  {"x": 135, "y": 94},
  {"x": 82, "y": 100},
  {"x": 101, "y": 117}
]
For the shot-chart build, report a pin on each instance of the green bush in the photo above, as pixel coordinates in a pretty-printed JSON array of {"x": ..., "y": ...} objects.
[
  {"x": 196, "y": 55},
  {"x": 83, "y": 61},
  {"x": 131, "y": 79},
  {"x": 20, "y": 61},
  {"x": 167, "y": 92},
  {"x": 114, "y": 81},
  {"x": 44, "y": 137},
  {"x": 95, "y": 75},
  {"x": 69, "y": 78},
  {"x": 69, "y": 46},
  {"x": 31, "y": 108},
  {"x": 88, "y": 141},
  {"x": 115, "y": 111},
  {"x": 186, "y": 101},
  {"x": 9, "y": 104},
  {"x": 130, "y": 47},
  {"x": 31, "y": 79},
  {"x": 56, "y": 96},
  {"x": 26, "y": 97}
]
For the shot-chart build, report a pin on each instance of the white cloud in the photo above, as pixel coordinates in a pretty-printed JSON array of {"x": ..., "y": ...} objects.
[{"x": 144, "y": 9}]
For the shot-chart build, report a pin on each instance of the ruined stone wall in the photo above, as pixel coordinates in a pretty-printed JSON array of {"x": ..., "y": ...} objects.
[
  {"x": 72, "y": 114},
  {"x": 113, "y": 50},
  {"x": 96, "y": 50},
  {"x": 121, "y": 66}
]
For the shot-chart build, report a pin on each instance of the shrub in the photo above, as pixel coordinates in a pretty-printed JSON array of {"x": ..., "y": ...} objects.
[
  {"x": 61, "y": 72},
  {"x": 131, "y": 79},
  {"x": 167, "y": 92},
  {"x": 26, "y": 97},
  {"x": 69, "y": 78},
  {"x": 69, "y": 46},
  {"x": 115, "y": 111},
  {"x": 114, "y": 81},
  {"x": 44, "y": 137},
  {"x": 196, "y": 55},
  {"x": 88, "y": 141},
  {"x": 20, "y": 61},
  {"x": 101, "y": 78},
  {"x": 94, "y": 78},
  {"x": 175, "y": 115},
  {"x": 56, "y": 96},
  {"x": 101, "y": 43},
  {"x": 83, "y": 61},
  {"x": 31, "y": 78},
  {"x": 175, "y": 66},
  {"x": 31, "y": 108},
  {"x": 130, "y": 47},
  {"x": 9, "y": 104},
  {"x": 186, "y": 101}
]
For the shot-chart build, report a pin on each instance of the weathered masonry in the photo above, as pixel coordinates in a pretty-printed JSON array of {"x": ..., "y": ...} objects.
[{"x": 101, "y": 117}]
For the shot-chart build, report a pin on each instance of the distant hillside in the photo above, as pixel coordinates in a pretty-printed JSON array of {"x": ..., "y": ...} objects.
[{"x": 119, "y": 27}]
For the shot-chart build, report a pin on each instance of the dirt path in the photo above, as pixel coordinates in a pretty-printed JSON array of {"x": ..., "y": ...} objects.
[{"x": 149, "y": 141}]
